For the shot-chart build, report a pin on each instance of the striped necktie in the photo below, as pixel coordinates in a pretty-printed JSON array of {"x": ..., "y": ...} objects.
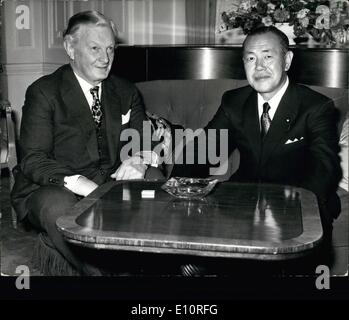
[
  {"x": 96, "y": 107},
  {"x": 265, "y": 120}
]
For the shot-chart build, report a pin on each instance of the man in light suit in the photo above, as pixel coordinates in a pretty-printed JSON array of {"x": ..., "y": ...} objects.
[
  {"x": 70, "y": 131},
  {"x": 294, "y": 140}
]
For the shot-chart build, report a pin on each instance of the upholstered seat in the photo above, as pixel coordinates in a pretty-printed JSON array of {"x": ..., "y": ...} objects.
[
  {"x": 188, "y": 103},
  {"x": 192, "y": 103}
]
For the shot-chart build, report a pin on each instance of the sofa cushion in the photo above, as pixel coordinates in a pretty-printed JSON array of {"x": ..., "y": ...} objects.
[
  {"x": 340, "y": 98},
  {"x": 193, "y": 103},
  {"x": 189, "y": 103}
]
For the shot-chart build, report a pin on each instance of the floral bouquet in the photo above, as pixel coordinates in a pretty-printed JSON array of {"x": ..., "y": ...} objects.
[{"x": 314, "y": 17}]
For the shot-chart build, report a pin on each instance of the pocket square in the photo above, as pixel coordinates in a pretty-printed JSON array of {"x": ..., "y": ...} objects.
[
  {"x": 125, "y": 118},
  {"x": 294, "y": 140}
]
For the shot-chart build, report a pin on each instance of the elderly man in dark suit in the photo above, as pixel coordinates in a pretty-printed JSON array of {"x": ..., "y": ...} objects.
[
  {"x": 285, "y": 133},
  {"x": 70, "y": 131}
]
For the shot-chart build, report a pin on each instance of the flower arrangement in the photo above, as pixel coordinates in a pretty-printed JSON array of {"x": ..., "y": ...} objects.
[{"x": 314, "y": 17}]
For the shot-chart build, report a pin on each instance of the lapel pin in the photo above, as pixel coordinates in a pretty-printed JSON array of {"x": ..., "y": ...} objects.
[{"x": 288, "y": 121}]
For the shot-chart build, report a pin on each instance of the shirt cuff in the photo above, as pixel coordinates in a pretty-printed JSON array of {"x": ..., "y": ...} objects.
[
  {"x": 149, "y": 158},
  {"x": 70, "y": 182}
]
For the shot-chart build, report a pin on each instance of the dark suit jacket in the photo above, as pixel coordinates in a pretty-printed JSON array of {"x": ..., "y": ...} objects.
[
  {"x": 58, "y": 136},
  {"x": 312, "y": 162}
]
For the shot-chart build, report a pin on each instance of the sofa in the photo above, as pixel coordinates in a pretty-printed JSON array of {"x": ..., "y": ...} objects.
[
  {"x": 188, "y": 100},
  {"x": 192, "y": 103}
]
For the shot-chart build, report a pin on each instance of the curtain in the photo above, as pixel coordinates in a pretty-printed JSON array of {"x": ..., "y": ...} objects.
[{"x": 200, "y": 21}]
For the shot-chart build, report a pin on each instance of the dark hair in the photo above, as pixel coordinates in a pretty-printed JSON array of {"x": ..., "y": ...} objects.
[
  {"x": 88, "y": 17},
  {"x": 271, "y": 29}
]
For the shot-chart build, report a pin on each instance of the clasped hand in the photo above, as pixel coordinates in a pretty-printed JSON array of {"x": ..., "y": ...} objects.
[
  {"x": 164, "y": 131},
  {"x": 132, "y": 168}
]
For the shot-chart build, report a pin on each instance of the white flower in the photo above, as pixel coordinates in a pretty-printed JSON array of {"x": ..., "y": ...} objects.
[
  {"x": 302, "y": 13},
  {"x": 304, "y": 22},
  {"x": 245, "y": 5},
  {"x": 271, "y": 7},
  {"x": 267, "y": 21}
]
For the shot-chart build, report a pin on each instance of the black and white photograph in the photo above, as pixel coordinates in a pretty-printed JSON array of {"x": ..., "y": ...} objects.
[{"x": 162, "y": 146}]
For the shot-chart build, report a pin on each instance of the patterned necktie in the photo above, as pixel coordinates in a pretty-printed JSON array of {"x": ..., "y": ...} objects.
[
  {"x": 96, "y": 107},
  {"x": 265, "y": 119}
]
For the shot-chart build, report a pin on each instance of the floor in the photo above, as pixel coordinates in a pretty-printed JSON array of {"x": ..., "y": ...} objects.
[{"x": 17, "y": 243}]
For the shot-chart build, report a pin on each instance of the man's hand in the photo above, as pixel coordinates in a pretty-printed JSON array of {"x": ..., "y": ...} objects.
[
  {"x": 164, "y": 131},
  {"x": 132, "y": 168},
  {"x": 82, "y": 186}
]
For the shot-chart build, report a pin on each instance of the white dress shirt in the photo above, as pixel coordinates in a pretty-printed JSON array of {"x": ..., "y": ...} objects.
[
  {"x": 71, "y": 181},
  {"x": 145, "y": 157},
  {"x": 273, "y": 102},
  {"x": 86, "y": 86}
]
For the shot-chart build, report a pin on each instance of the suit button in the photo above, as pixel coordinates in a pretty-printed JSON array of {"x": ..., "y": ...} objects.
[
  {"x": 100, "y": 137},
  {"x": 102, "y": 172},
  {"x": 50, "y": 180}
]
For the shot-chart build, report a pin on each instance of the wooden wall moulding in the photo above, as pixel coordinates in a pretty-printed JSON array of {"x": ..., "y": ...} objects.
[
  {"x": 58, "y": 13},
  {"x": 25, "y": 69},
  {"x": 312, "y": 66},
  {"x": 22, "y": 25},
  {"x": 56, "y": 17}
]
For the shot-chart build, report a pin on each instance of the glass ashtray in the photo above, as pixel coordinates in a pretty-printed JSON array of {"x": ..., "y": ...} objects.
[{"x": 189, "y": 188}]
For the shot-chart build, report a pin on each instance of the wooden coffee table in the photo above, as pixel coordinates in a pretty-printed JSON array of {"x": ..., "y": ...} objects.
[{"x": 257, "y": 221}]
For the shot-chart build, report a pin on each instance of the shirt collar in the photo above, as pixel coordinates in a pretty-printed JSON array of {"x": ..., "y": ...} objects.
[
  {"x": 86, "y": 86},
  {"x": 274, "y": 101}
]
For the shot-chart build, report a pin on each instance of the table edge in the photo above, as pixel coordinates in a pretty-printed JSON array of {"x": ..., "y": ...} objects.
[{"x": 300, "y": 245}]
